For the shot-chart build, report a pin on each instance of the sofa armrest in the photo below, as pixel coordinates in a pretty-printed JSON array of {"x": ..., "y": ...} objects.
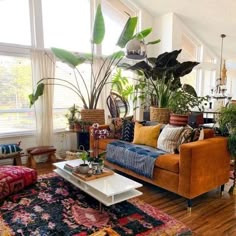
[
  {"x": 91, "y": 137},
  {"x": 204, "y": 165}
]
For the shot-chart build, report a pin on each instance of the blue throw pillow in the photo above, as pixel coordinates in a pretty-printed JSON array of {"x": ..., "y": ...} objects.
[{"x": 9, "y": 148}]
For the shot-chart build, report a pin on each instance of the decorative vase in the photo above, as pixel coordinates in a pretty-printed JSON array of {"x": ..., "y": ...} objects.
[
  {"x": 93, "y": 115},
  {"x": 161, "y": 115}
]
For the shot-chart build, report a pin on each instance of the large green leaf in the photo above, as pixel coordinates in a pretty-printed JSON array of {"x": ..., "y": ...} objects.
[
  {"x": 98, "y": 27},
  {"x": 144, "y": 33},
  {"x": 154, "y": 42},
  {"x": 117, "y": 55},
  {"x": 68, "y": 57},
  {"x": 39, "y": 92},
  {"x": 127, "y": 32}
]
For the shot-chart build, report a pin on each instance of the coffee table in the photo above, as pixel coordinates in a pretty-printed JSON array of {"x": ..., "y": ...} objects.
[{"x": 107, "y": 190}]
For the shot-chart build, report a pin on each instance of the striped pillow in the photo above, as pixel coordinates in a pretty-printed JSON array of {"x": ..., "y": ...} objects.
[
  {"x": 9, "y": 148},
  {"x": 169, "y": 137}
]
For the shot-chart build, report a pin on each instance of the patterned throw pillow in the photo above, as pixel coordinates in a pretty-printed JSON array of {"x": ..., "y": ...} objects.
[
  {"x": 127, "y": 131},
  {"x": 116, "y": 125},
  {"x": 185, "y": 137},
  {"x": 9, "y": 148},
  {"x": 169, "y": 137},
  {"x": 189, "y": 135}
]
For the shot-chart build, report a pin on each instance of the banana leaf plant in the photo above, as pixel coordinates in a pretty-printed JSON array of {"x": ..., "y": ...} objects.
[
  {"x": 162, "y": 77},
  {"x": 98, "y": 80}
]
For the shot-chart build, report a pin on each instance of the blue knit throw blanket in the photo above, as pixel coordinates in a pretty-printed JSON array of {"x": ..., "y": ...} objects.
[{"x": 138, "y": 158}]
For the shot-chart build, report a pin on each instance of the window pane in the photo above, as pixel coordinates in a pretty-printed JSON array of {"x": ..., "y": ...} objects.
[
  {"x": 66, "y": 24},
  {"x": 15, "y": 22},
  {"x": 190, "y": 79},
  {"x": 15, "y": 86},
  {"x": 190, "y": 49},
  {"x": 115, "y": 19},
  {"x": 65, "y": 97}
]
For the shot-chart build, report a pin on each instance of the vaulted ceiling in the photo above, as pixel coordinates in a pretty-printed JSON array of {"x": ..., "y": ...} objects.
[{"x": 207, "y": 19}]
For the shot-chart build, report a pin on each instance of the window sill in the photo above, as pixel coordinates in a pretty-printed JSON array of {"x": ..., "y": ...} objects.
[{"x": 26, "y": 133}]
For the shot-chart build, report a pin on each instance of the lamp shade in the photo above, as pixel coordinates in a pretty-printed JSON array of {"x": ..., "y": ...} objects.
[{"x": 136, "y": 49}]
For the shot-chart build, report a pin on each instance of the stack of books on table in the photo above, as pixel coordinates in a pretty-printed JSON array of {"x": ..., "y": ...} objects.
[{"x": 69, "y": 167}]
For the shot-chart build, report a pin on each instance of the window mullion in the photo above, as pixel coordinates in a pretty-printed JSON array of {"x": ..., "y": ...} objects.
[{"x": 36, "y": 21}]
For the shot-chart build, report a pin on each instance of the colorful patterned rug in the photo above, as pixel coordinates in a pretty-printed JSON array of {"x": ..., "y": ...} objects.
[{"x": 53, "y": 206}]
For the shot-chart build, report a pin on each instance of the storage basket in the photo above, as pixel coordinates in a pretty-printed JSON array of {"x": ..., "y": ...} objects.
[
  {"x": 161, "y": 115},
  {"x": 93, "y": 115}
]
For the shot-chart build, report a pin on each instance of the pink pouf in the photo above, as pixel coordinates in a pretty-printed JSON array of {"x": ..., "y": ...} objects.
[{"x": 15, "y": 178}]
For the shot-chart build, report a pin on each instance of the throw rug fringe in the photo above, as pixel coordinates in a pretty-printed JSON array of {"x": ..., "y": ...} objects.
[{"x": 53, "y": 206}]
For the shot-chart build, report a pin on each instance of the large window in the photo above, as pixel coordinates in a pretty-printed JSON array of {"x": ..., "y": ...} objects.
[
  {"x": 47, "y": 23},
  {"x": 16, "y": 85}
]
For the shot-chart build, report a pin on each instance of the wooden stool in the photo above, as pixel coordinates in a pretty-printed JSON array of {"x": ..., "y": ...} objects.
[
  {"x": 41, "y": 150},
  {"x": 15, "y": 156}
]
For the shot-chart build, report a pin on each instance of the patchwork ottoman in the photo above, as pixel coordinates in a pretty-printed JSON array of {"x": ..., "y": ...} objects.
[{"x": 15, "y": 178}]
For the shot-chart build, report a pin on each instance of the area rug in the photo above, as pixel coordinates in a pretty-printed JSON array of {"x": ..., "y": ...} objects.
[{"x": 53, "y": 206}]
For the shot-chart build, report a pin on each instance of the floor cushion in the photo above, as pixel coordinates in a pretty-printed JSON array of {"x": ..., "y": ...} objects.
[{"x": 15, "y": 178}]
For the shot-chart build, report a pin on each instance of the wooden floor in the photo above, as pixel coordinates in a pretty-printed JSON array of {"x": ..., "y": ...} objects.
[{"x": 211, "y": 214}]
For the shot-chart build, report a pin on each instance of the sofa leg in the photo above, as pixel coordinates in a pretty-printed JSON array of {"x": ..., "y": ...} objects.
[
  {"x": 222, "y": 187},
  {"x": 189, "y": 205}
]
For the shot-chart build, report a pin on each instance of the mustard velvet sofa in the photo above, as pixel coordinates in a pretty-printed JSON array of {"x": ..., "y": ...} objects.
[{"x": 199, "y": 167}]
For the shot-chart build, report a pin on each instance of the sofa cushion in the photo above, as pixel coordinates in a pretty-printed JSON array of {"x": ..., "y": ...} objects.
[
  {"x": 169, "y": 137},
  {"x": 168, "y": 162},
  {"x": 138, "y": 158},
  {"x": 146, "y": 135},
  {"x": 15, "y": 178},
  {"x": 208, "y": 133}
]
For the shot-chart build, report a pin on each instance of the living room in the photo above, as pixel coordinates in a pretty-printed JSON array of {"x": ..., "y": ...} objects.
[{"x": 44, "y": 27}]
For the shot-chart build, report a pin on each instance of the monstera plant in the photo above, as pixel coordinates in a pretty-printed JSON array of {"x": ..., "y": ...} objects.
[{"x": 94, "y": 84}]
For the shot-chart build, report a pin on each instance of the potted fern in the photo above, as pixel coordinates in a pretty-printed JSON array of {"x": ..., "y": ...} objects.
[
  {"x": 181, "y": 105},
  {"x": 98, "y": 77}
]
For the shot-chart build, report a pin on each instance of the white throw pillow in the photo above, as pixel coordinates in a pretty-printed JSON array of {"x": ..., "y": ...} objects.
[{"x": 169, "y": 137}]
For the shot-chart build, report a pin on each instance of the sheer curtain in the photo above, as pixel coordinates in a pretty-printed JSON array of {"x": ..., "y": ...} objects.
[{"x": 43, "y": 66}]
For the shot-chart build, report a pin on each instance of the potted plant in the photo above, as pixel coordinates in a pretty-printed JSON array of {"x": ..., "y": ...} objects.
[
  {"x": 99, "y": 76},
  {"x": 181, "y": 105},
  {"x": 84, "y": 167},
  {"x": 227, "y": 123},
  {"x": 72, "y": 116},
  {"x": 161, "y": 79}
]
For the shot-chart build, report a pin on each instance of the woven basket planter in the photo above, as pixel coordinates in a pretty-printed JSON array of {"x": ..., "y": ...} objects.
[
  {"x": 161, "y": 115},
  {"x": 93, "y": 115},
  {"x": 178, "y": 120}
]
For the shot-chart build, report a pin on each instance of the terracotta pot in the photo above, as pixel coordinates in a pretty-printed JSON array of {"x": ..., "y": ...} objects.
[{"x": 178, "y": 120}]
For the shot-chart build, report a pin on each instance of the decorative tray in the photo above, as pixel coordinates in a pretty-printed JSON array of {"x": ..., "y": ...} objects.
[{"x": 87, "y": 177}]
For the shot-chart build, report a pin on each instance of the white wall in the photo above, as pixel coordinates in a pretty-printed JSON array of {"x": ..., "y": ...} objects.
[
  {"x": 63, "y": 141},
  {"x": 163, "y": 29}
]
